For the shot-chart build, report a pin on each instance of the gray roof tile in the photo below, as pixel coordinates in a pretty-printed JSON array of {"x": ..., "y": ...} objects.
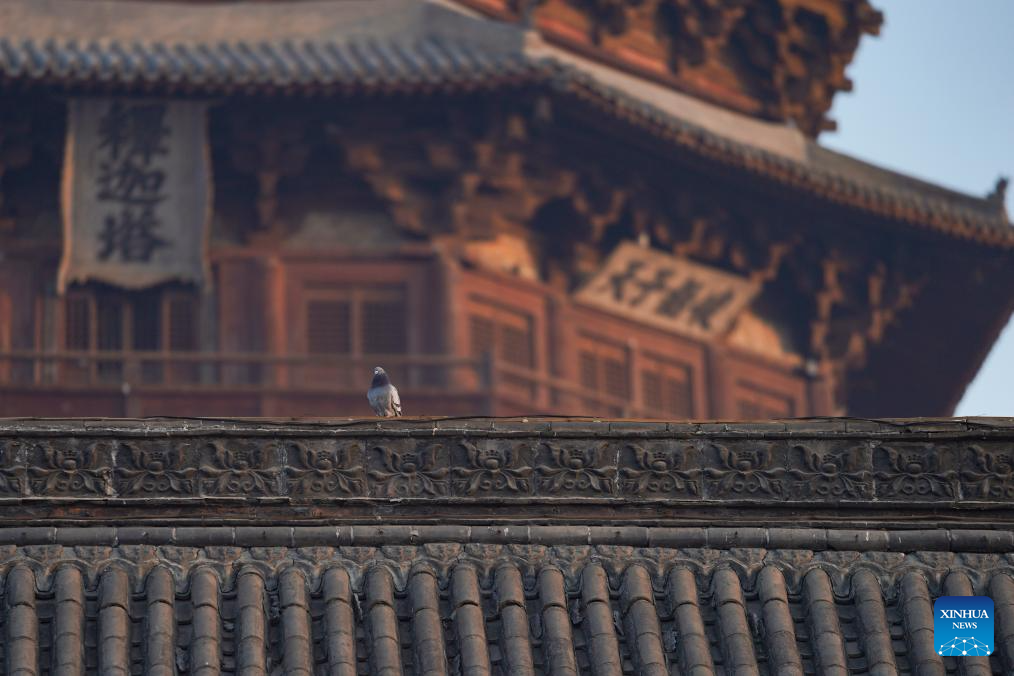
[{"x": 396, "y": 609}]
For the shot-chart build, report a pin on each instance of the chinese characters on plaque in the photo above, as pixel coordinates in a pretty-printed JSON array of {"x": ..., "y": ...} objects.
[
  {"x": 667, "y": 292},
  {"x": 136, "y": 192}
]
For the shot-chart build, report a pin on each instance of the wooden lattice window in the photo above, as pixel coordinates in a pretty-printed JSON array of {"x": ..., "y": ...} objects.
[
  {"x": 604, "y": 368},
  {"x": 183, "y": 323},
  {"x": 180, "y": 332},
  {"x": 383, "y": 322},
  {"x": 144, "y": 321},
  {"x": 507, "y": 334},
  {"x": 113, "y": 321},
  {"x": 78, "y": 322},
  {"x": 503, "y": 332},
  {"x": 482, "y": 335},
  {"x": 589, "y": 370},
  {"x": 349, "y": 320},
  {"x": 328, "y": 326},
  {"x": 754, "y": 403},
  {"x": 146, "y": 325},
  {"x": 343, "y": 320},
  {"x": 666, "y": 387}
]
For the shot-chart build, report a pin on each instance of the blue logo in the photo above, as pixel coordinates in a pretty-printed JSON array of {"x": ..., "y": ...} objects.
[{"x": 963, "y": 626}]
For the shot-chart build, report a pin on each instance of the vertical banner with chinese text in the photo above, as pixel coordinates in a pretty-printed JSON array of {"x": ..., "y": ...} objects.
[{"x": 136, "y": 193}]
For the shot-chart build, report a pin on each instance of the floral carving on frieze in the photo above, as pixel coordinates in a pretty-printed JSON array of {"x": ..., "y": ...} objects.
[
  {"x": 331, "y": 469},
  {"x": 12, "y": 479},
  {"x": 409, "y": 473},
  {"x": 240, "y": 468},
  {"x": 576, "y": 467},
  {"x": 154, "y": 468},
  {"x": 745, "y": 471},
  {"x": 66, "y": 467},
  {"x": 660, "y": 469},
  {"x": 494, "y": 467},
  {"x": 835, "y": 474},
  {"x": 988, "y": 473},
  {"x": 914, "y": 471}
]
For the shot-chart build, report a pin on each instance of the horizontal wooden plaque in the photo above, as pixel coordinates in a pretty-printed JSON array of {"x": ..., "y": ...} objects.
[{"x": 668, "y": 292}]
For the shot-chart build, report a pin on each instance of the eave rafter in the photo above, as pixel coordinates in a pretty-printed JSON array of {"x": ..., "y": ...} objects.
[
  {"x": 780, "y": 59},
  {"x": 15, "y": 148},
  {"x": 269, "y": 149}
]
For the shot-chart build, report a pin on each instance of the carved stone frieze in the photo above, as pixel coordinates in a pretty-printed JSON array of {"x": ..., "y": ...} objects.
[
  {"x": 987, "y": 472},
  {"x": 322, "y": 469},
  {"x": 12, "y": 477},
  {"x": 916, "y": 472},
  {"x": 492, "y": 468},
  {"x": 746, "y": 471},
  {"x": 866, "y": 472},
  {"x": 660, "y": 469},
  {"x": 830, "y": 472},
  {"x": 154, "y": 469},
  {"x": 240, "y": 467},
  {"x": 70, "y": 467},
  {"x": 577, "y": 468},
  {"x": 410, "y": 470}
]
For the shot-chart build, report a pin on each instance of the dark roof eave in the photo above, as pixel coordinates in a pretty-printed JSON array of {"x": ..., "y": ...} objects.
[
  {"x": 352, "y": 69},
  {"x": 909, "y": 207}
]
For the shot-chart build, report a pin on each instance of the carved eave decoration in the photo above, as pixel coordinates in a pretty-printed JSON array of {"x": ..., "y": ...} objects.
[
  {"x": 269, "y": 150},
  {"x": 778, "y": 59},
  {"x": 524, "y": 172},
  {"x": 31, "y": 150},
  {"x": 15, "y": 150}
]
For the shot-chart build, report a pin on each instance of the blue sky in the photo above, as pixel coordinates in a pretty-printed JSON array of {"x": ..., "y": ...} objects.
[{"x": 934, "y": 97}]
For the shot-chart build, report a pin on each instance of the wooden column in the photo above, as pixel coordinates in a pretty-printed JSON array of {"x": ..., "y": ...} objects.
[
  {"x": 820, "y": 391},
  {"x": 278, "y": 325},
  {"x": 636, "y": 405},
  {"x": 719, "y": 379}
]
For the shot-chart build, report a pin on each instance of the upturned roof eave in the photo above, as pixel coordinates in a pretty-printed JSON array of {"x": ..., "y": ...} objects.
[{"x": 442, "y": 50}]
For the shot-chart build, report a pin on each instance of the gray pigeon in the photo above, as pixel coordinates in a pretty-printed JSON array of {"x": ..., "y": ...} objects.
[{"x": 383, "y": 396}]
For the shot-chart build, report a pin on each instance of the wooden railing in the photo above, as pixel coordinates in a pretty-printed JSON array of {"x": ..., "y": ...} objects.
[
  {"x": 125, "y": 371},
  {"x": 554, "y": 394},
  {"x": 232, "y": 369}
]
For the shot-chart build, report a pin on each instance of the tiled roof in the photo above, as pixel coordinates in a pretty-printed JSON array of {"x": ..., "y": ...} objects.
[
  {"x": 484, "y": 609},
  {"x": 384, "y": 45},
  {"x": 831, "y": 175},
  {"x": 242, "y": 66},
  {"x": 414, "y": 46},
  {"x": 365, "y": 547}
]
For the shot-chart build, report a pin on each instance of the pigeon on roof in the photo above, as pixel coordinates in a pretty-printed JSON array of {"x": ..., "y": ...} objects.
[{"x": 383, "y": 396}]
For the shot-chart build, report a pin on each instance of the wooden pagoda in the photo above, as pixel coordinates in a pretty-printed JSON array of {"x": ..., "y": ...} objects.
[{"x": 608, "y": 207}]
